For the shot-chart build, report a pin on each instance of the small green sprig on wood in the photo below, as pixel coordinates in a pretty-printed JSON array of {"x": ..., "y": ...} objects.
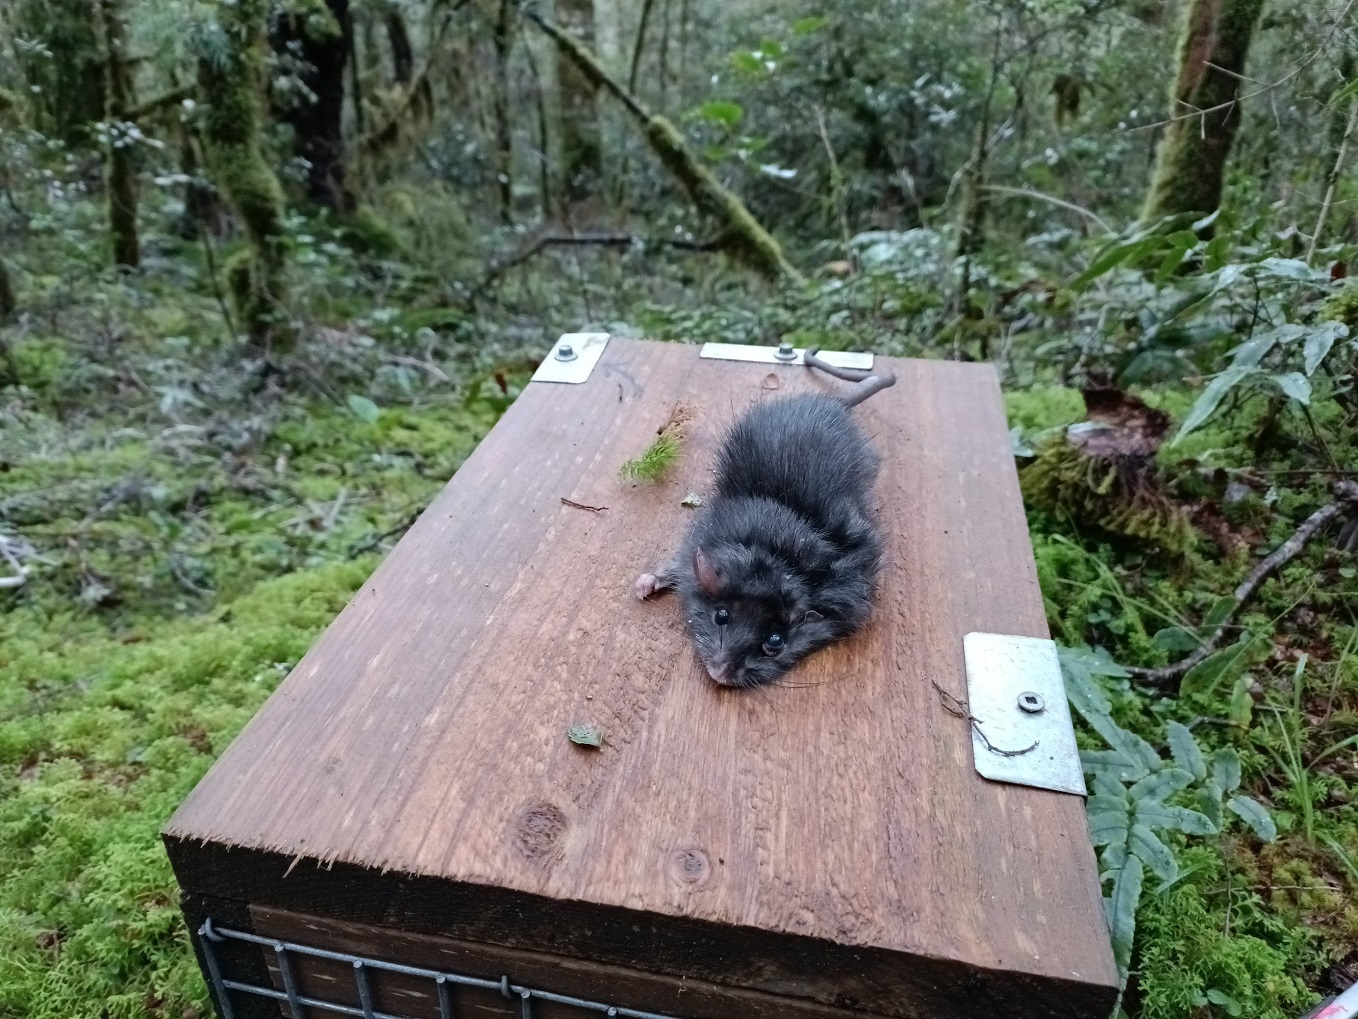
[{"x": 652, "y": 464}]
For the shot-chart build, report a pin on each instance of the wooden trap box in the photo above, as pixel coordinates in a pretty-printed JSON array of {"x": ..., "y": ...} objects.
[{"x": 404, "y": 829}]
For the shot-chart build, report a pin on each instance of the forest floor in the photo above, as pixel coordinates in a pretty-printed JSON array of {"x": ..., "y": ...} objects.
[{"x": 192, "y": 522}]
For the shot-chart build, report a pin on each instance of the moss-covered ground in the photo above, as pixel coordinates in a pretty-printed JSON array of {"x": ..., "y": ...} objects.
[{"x": 193, "y": 520}]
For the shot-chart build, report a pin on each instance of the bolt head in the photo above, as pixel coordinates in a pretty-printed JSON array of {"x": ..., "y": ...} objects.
[
  {"x": 785, "y": 352},
  {"x": 1031, "y": 703},
  {"x": 565, "y": 352}
]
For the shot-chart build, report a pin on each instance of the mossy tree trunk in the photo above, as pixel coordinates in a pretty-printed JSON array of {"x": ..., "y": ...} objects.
[
  {"x": 230, "y": 83},
  {"x": 741, "y": 234},
  {"x": 120, "y": 169},
  {"x": 1190, "y": 164},
  {"x": 320, "y": 36}
]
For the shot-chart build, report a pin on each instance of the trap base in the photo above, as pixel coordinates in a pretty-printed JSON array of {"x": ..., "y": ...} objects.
[{"x": 407, "y": 806}]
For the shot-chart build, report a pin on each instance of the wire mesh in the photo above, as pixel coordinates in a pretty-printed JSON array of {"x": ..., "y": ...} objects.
[{"x": 210, "y": 935}]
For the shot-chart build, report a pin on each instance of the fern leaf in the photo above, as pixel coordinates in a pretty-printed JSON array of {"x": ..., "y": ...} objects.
[{"x": 1184, "y": 747}]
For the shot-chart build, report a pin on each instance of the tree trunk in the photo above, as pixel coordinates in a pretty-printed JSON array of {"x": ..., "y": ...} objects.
[
  {"x": 1191, "y": 162},
  {"x": 120, "y": 171},
  {"x": 230, "y": 84},
  {"x": 8, "y": 301},
  {"x": 581, "y": 146},
  {"x": 504, "y": 128},
  {"x": 321, "y": 37},
  {"x": 402, "y": 53}
]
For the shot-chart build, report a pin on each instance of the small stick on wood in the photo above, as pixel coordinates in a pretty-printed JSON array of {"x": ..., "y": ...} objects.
[
  {"x": 957, "y": 707},
  {"x": 1345, "y": 497},
  {"x": 580, "y": 505}
]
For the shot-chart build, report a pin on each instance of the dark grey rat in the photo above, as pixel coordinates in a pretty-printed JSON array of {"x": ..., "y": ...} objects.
[{"x": 784, "y": 558}]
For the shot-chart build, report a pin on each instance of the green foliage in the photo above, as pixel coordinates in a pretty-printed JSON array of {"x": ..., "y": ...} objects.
[
  {"x": 653, "y": 464},
  {"x": 1132, "y": 789},
  {"x": 100, "y": 739},
  {"x": 1103, "y": 494},
  {"x": 1209, "y": 939}
]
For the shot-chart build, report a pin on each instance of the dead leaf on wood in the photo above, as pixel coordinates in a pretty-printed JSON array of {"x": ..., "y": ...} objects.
[{"x": 1118, "y": 426}]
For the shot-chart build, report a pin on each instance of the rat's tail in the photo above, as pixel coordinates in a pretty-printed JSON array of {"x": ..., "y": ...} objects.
[{"x": 867, "y": 384}]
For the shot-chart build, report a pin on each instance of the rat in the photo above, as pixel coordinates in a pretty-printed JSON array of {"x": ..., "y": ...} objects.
[{"x": 784, "y": 559}]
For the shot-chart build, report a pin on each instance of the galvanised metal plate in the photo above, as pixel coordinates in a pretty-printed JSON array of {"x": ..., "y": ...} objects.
[
  {"x": 572, "y": 359},
  {"x": 770, "y": 355},
  {"x": 1020, "y": 721}
]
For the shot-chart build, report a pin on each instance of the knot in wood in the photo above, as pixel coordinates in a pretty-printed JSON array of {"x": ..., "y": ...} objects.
[
  {"x": 538, "y": 829},
  {"x": 691, "y": 866}
]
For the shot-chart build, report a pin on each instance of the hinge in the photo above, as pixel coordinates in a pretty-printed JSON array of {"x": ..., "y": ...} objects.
[
  {"x": 572, "y": 358},
  {"x": 784, "y": 354}
]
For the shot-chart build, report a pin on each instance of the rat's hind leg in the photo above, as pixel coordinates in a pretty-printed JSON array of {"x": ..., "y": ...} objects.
[{"x": 652, "y": 583}]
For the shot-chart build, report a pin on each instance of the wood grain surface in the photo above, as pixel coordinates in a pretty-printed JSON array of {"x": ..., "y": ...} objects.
[{"x": 797, "y": 840}]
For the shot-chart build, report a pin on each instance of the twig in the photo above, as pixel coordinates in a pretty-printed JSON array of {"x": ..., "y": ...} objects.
[
  {"x": 377, "y": 539},
  {"x": 836, "y": 177},
  {"x": 1333, "y": 181},
  {"x": 430, "y": 367},
  {"x": 958, "y": 708},
  {"x": 203, "y": 230},
  {"x": 613, "y": 240},
  {"x": 20, "y": 575},
  {"x": 1345, "y": 497},
  {"x": 1053, "y": 200},
  {"x": 580, "y": 505}
]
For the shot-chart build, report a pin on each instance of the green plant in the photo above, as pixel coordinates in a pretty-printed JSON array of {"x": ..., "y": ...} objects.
[
  {"x": 1132, "y": 789},
  {"x": 659, "y": 457}
]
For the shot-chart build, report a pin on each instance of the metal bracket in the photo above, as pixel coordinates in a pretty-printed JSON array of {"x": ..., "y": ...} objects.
[
  {"x": 1021, "y": 731},
  {"x": 785, "y": 354},
  {"x": 572, "y": 359}
]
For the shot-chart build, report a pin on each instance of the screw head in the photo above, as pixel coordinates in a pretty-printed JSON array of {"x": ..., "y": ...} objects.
[
  {"x": 565, "y": 352},
  {"x": 1031, "y": 703},
  {"x": 785, "y": 352}
]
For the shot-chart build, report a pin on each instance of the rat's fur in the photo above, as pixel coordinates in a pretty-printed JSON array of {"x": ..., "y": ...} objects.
[{"x": 787, "y": 545}]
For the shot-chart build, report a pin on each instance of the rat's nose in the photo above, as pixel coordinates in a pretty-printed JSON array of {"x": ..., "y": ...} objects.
[{"x": 720, "y": 674}]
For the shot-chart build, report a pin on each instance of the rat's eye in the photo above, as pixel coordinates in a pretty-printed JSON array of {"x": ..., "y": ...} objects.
[
  {"x": 773, "y": 643},
  {"x": 721, "y": 617}
]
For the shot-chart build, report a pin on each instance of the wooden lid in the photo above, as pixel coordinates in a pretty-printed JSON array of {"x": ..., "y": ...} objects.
[{"x": 829, "y": 839}]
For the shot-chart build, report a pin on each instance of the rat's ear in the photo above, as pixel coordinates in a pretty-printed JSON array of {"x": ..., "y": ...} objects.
[
  {"x": 707, "y": 576},
  {"x": 812, "y": 616}
]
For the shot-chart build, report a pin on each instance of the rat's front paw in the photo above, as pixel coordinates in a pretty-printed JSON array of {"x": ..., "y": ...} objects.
[{"x": 647, "y": 584}]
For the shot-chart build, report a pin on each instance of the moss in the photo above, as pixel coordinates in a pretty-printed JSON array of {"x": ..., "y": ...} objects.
[
  {"x": 1194, "y": 940},
  {"x": 99, "y": 742},
  {"x": 1044, "y": 407},
  {"x": 230, "y": 83},
  {"x": 1105, "y": 496},
  {"x": 659, "y": 457},
  {"x": 367, "y": 233},
  {"x": 1191, "y": 160},
  {"x": 1342, "y": 306}
]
